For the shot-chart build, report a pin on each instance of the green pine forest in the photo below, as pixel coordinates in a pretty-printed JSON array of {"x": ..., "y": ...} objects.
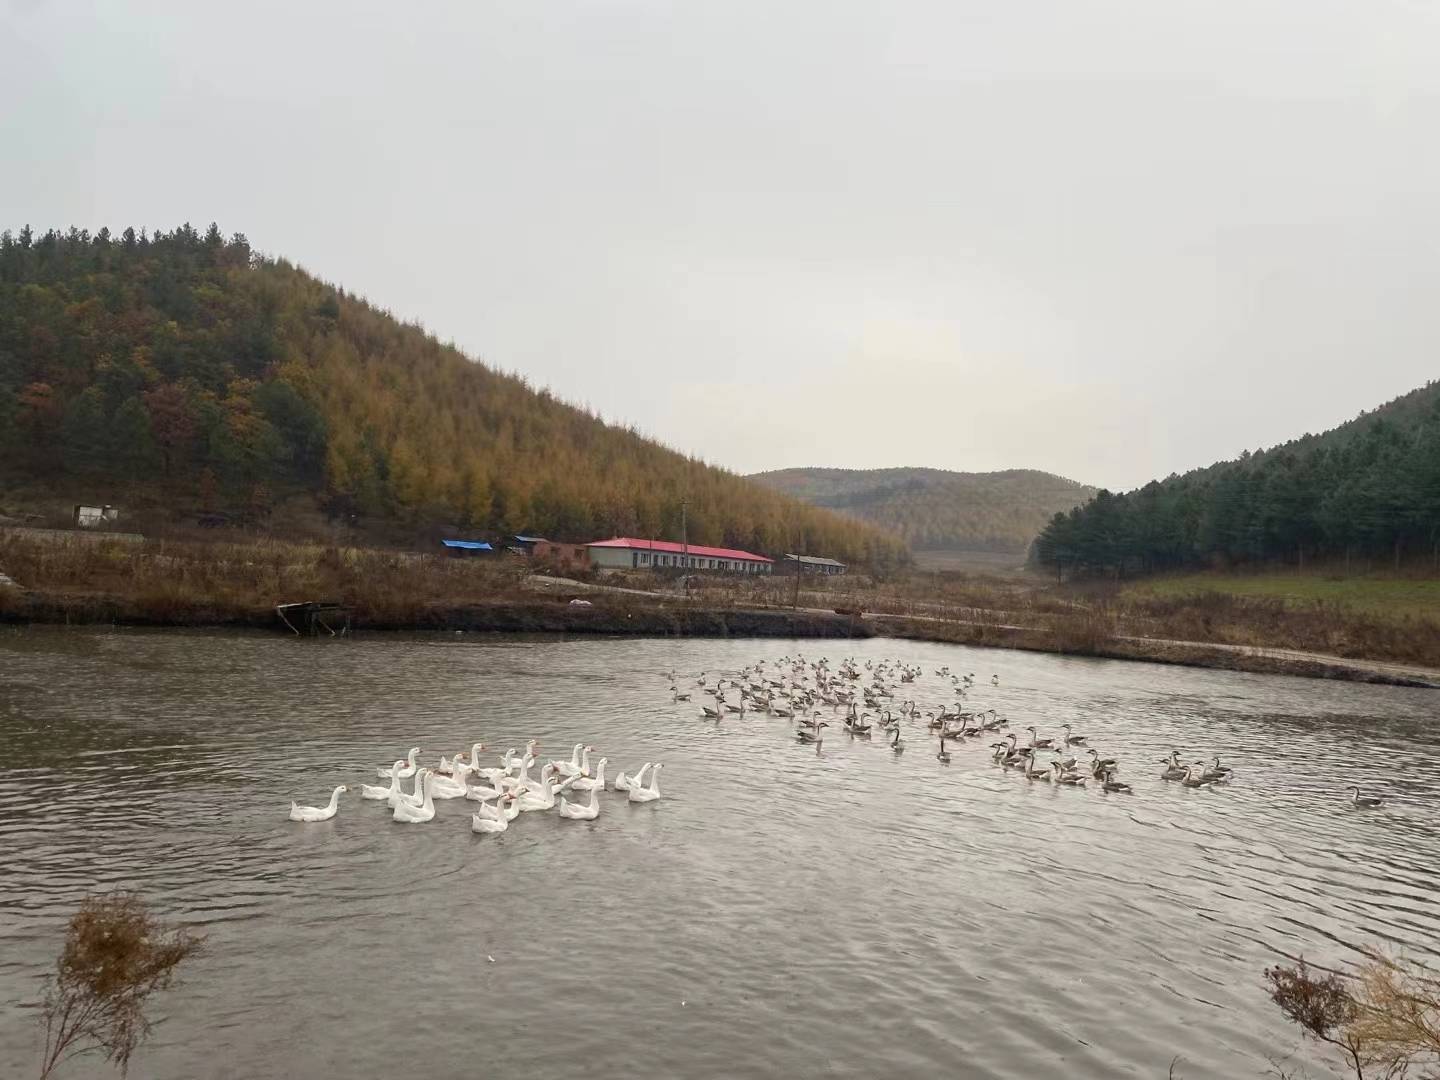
[
  {"x": 185, "y": 364},
  {"x": 1369, "y": 488}
]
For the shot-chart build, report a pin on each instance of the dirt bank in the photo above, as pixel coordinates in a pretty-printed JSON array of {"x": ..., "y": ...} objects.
[{"x": 636, "y": 618}]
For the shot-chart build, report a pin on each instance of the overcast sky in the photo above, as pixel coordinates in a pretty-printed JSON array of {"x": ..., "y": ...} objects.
[{"x": 1107, "y": 239}]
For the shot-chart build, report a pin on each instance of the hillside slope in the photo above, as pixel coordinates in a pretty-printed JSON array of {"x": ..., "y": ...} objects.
[
  {"x": 1369, "y": 486},
  {"x": 935, "y": 509},
  {"x": 183, "y": 367}
]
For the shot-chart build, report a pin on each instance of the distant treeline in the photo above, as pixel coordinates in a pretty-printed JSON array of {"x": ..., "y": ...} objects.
[
  {"x": 1370, "y": 487},
  {"x": 182, "y": 360}
]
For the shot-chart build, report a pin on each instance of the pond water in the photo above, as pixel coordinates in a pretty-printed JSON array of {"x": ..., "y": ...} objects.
[{"x": 777, "y": 913}]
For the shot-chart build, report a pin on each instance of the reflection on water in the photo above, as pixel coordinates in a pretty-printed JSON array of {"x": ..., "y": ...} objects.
[{"x": 777, "y": 914}]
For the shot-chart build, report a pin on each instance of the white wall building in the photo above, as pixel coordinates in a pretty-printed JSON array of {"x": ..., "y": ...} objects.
[{"x": 628, "y": 553}]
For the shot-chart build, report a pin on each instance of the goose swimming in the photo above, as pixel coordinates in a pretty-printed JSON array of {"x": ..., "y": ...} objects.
[
  {"x": 408, "y": 814},
  {"x": 624, "y": 783},
  {"x": 507, "y": 766},
  {"x": 579, "y": 763},
  {"x": 647, "y": 794},
  {"x": 544, "y": 799},
  {"x": 591, "y": 783},
  {"x": 580, "y": 811},
  {"x": 1037, "y": 743},
  {"x": 1173, "y": 769},
  {"x": 408, "y": 770},
  {"x": 371, "y": 791},
  {"x": 485, "y": 823},
  {"x": 1192, "y": 779},
  {"x": 1356, "y": 799},
  {"x": 1064, "y": 776},
  {"x": 317, "y": 813}
]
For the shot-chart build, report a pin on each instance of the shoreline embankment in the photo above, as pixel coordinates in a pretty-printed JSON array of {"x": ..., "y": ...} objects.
[{"x": 697, "y": 620}]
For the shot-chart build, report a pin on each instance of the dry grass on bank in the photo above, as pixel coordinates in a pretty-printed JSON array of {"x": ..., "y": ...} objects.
[
  {"x": 177, "y": 578},
  {"x": 188, "y": 580}
]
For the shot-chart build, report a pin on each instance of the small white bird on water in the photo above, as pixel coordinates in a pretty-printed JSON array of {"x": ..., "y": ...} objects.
[{"x": 317, "y": 813}]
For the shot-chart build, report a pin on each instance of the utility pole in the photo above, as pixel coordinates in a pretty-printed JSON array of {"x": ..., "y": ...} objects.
[
  {"x": 685, "y": 546},
  {"x": 799, "y": 566}
]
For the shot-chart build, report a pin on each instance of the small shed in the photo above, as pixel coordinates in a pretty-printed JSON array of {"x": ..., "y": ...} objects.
[
  {"x": 464, "y": 549},
  {"x": 810, "y": 564},
  {"x": 90, "y": 517}
]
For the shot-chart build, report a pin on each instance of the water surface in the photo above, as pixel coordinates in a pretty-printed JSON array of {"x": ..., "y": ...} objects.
[{"x": 776, "y": 914}]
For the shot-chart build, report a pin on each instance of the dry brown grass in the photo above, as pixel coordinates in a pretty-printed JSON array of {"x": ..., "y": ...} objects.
[
  {"x": 194, "y": 580},
  {"x": 178, "y": 579}
]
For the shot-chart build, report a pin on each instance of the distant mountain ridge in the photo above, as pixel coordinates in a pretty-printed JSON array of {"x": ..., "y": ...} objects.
[{"x": 936, "y": 509}]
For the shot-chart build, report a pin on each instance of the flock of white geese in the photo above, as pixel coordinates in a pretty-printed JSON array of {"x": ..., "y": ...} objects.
[
  {"x": 503, "y": 791},
  {"x": 869, "y": 700},
  {"x": 863, "y": 700}
]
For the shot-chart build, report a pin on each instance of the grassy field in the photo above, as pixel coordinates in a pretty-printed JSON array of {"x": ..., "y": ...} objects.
[{"x": 1382, "y": 596}]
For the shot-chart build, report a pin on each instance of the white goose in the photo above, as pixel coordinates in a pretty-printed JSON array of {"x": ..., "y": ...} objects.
[
  {"x": 577, "y": 765},
  {"x": 521, "y": 781},
  {"x": 507, "y": 766},
  {"x": 508, "y": 806},
  {"x": 482, "y": 794},
  {"x": 372, "y": 791},
  {"x": 625, "y": 783},
  {"x": 446, "y": 787},
  {"x": 414, "y": 798},
  {"x": 591, "y": 783},
  {"x": 544, "y": 799},
  {"x": 411, "y": 815},
  {"x": 581, "y": 811},
  {"x": 647, "y": 794},
  {"x": 474, "y": 763},
  {"x": 404, "y": 773},
  {"x": 482, "y": 822},
  {"x": 317, "y": 813}
]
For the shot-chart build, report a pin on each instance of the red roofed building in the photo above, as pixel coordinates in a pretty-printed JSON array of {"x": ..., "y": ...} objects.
[{"x": 627, "y": 553}]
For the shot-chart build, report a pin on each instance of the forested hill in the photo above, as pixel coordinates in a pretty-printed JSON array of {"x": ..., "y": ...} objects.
[
  {"x": 938, "y": 510},
  {"x": 1370, "y": 486},
  {"x": 184, "y": 364}
]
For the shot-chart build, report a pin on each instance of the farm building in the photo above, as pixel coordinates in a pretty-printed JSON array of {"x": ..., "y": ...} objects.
[
  {"x": 561, "y": 556},
  {"x": 466, "y": 548},
  {"x": 628, "y": 553},
  {"x": 809, "y": 564},
  {"x": 551, "y": 552}
]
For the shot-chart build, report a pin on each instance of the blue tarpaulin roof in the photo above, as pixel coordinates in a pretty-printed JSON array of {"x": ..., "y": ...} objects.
[{"x": 469, "y": 545}]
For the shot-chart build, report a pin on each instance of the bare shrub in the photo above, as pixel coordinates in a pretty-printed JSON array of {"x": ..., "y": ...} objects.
[
  {"x": 116, "y": 956},
  {"x": 1384, "y": 1022}
]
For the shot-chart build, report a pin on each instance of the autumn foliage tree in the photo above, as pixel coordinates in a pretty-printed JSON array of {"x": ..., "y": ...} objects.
[{"x": 158, "y": 358}]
